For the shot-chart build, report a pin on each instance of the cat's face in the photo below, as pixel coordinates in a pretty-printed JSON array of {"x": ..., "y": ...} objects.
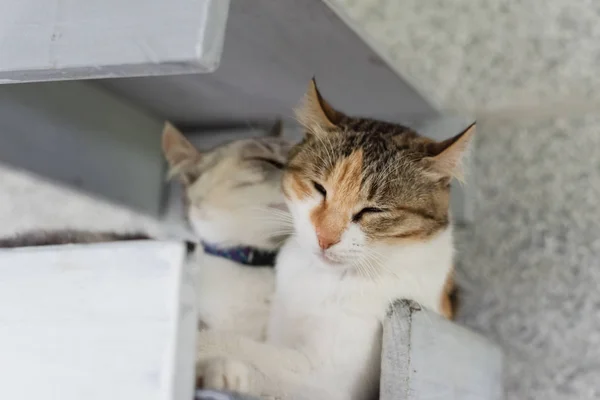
[
  {"x": 233, "y": 193},
  {"x": 355, "y": 186}
]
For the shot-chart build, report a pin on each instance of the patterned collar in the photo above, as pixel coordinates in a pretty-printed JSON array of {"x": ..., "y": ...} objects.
[{"x": 250, "y": 256}]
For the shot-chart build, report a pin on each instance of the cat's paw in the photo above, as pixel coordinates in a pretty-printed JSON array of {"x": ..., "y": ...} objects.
[{"x": 225, "y": 374}]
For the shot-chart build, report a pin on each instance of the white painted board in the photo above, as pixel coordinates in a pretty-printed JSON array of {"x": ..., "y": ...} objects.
[
  {"x": 428, "y": 357},
  {"x": 103, "y": 321},
  {"x": 75, "y": 39}
]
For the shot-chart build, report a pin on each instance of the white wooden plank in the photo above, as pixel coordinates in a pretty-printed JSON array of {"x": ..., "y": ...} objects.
[
  {"x": 70, "y": 39},
  {"x": 428, "y": 357},
  {"x": 96, "y": 322}
]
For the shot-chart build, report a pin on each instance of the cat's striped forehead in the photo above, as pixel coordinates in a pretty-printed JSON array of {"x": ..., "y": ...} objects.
[
  {"x": 368, "y": 164},
  {"x": 384, "y": 158},
  {"x": 385, "y": 177}
]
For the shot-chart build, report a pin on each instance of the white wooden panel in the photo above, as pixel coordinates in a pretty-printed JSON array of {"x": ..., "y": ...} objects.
[
  {"x": 69, "y": 39},
  {"x": 107, "y": 321},
  {"x": 428, "y": 357}
]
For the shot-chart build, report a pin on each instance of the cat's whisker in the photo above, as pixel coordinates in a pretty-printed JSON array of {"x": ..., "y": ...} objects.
[
  {"x": 274, "y": 221},
  {"x": 378, "y": 261},
  {"x": 374, "y": 267},
  {"x": 281, "y": 217},
  {"x": 390, "y": 271},
  {"x": 287, "y": 222},
  {"x": 376, "y": 256},
  {"x": 368, "y": 269},
  {"x": 362, "y": 268},
  {"x": 278, "y": 217},
  {"x": 270, "y": 211},
  {"x": 281, "y": 232},
  {"x": 271, "y": 235}
]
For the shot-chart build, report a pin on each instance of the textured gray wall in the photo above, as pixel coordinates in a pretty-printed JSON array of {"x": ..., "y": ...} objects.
[
  {"x": 48, "y": 40},
  {"x": 529, "y": 263},
  {"x": 490, "y": 56}
]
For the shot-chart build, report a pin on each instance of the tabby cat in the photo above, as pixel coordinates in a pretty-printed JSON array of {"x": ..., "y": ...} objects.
[{"x": 370, "y": 205}]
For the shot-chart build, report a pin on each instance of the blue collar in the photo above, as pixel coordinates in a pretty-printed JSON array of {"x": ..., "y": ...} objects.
[{"x": 250, "y": 256}]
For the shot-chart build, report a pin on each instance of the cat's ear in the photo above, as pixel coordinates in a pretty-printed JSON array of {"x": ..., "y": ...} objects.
[
  {"x": 277, "y": 129},
  {"x": 446, "y": 157},
  {"x": 316, "y": 114},
  {"x": 181, "y": 155}
]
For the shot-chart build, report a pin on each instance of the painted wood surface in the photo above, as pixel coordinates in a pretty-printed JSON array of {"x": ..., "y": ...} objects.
[
  {"x": 74, "y": 39},
  {"x": 428, "y": 357},
  {"x": 107, "y": 321}
]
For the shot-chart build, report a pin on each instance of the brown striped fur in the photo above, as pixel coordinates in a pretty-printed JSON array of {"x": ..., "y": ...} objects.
[{"x": 329, "y": 217}]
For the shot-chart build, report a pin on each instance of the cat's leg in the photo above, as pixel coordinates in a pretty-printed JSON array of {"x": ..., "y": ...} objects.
[{"x": 235, "y": 363}]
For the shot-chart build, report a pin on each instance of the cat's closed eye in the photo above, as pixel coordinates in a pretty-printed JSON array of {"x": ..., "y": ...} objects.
[
  {"x": 357, "y": 217},
  {"x": 272, "y": 162},
  {"x": 319, "y": 188}
]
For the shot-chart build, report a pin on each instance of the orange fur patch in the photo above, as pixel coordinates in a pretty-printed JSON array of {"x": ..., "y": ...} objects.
[
  {"x": 446, "y": 306},
  {"x": 332, "y": 216},
  {"x": 294, "y": 184}
]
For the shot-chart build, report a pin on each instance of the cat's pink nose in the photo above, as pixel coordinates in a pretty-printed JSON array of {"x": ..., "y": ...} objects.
[{"x": 326, "y": 242}]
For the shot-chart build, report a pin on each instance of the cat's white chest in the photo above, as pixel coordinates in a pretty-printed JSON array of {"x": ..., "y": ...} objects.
[
  {"x": 232, "y": 297},
  {"x": 315, "y": 312},
  {"x": 312, "y": 303},
  {"x": 312, "y": 295}
]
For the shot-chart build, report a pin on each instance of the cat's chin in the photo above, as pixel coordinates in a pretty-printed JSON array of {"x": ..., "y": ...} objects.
[{"x": 327, "y": 260}]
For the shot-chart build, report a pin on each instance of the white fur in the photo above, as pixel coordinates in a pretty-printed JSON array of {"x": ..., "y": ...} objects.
[
  {"x": 324, "y": 338},
  {"x": 231, "y": 204},
  {"x": 231, "y": 297}
]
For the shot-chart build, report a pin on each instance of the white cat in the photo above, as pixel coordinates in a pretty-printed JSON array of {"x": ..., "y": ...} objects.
[
  {"x": 370, "y": 204},
  {"x": 236, "y": 208}
]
